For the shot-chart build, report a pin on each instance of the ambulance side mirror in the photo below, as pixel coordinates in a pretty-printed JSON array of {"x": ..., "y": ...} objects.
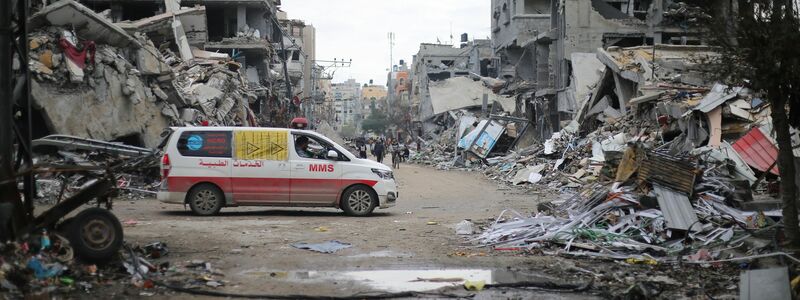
[{"x": 333, "y": 155}]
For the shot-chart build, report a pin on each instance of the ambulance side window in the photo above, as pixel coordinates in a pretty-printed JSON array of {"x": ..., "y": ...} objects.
[
  {"x": 310, "y": 147},
  {"x": 205, "y": 144}
]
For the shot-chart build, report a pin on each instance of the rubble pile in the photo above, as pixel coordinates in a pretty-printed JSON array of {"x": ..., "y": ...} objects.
[
  {"x": 72, "y": 163},
  {"x": 213, "y": 91},
  {"x": 657, "y": 163},
  {"x": 438, "y": 152},
  {"x": 652, "y": 220},
  {"x": 124, "y": 83}
]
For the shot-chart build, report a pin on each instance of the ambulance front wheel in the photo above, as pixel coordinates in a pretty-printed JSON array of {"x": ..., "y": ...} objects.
[
  {"x": 205, "y": 199},
  {"x": 359, "y": 201}
]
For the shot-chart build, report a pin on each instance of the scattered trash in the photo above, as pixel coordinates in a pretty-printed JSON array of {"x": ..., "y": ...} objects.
[
  {"x": 326, "y": 247},
  {"x": 464, "y": 228},
  {"x": 474, "y": 286}
]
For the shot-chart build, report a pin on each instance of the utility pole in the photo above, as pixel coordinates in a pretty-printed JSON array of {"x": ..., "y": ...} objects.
[
  {"x": 14, "y": 89},
  {"x": 390, "y": 85},
  {"x": 391, "y": 51}
]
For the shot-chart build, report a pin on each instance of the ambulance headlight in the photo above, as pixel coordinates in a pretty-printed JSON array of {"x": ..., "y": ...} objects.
[{"x": 383, "y": 174}]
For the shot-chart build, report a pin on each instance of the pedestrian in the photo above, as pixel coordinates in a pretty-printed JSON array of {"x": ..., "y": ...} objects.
[
  {"x": 406, "y": 153},
  {"x": 394, "y": 148},
  {"x": 378, "y": 151},
  {"x": 362, "y": 150}
]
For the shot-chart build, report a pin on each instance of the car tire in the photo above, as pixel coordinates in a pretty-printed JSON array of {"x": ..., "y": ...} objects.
[
  {"x": 359, "y": 201},
  {"x": 205, "y": 199},
  {"x": 95, "y": 235}
]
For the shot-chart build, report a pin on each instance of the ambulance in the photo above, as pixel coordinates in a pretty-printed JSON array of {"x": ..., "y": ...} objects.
[{"x": 209, "y": 168}]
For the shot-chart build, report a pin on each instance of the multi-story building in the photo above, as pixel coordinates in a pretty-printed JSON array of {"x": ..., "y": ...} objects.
[
  {"x": 347, "y": 103},
  {"x": 373, "y": 96},
  {"x": 294, "y": 53},
  {"x": 253, "y": 32},
  {"x": 436, "y": 62},
  {"x": 547, "y": 47}
]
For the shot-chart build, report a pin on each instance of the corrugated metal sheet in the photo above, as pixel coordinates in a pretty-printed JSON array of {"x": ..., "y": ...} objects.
[
  {"x": 757, "y": 151},
  {"x": 719, "y": 94},
  {"x": 677, "y": 210},
  {"x": 669, "y": 171}
]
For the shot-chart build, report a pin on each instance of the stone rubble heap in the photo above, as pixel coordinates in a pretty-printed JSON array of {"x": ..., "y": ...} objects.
[{"x": 679, "y": 170}]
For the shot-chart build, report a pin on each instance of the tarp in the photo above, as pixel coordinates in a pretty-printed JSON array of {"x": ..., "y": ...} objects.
[
  {"x": 757, "y": 150},
  {"x": 462, "y": 92}
]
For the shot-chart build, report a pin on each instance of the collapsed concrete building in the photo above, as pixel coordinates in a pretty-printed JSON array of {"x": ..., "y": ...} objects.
[
  {"x": 438, "y": 72},
  {"x": 547, "y": 48},
  {"x": 126, "y": 70}
]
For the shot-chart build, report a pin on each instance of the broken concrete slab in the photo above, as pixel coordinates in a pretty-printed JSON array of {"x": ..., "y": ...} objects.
[
  {"x": 149, "y": 61},
  {"x": 463, "y": 92},
  {"x": 86, "y": 23},
  {"x": 181, "y": 40},
  {"x": 209, "y": 55},
  {"x": 159, "y": 27}
]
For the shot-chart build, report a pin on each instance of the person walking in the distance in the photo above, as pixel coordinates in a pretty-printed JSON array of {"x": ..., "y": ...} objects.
[{"x": 378, "y": 151}]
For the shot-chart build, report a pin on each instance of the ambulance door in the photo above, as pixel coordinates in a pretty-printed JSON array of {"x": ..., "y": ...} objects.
[
  {"x": 261, "y": 174},
  {"x": 316, "y": 179}
]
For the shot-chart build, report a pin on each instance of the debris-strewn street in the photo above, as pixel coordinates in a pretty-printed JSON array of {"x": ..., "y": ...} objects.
[
  {"x": 413, "y": 247},
  {"x": 316, "y": 149}
]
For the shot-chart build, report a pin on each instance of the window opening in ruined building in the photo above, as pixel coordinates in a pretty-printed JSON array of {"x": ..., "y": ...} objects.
[
  {"x": 537, "y": 7},
  {"x": 624, "y": 41},
  {"x": 506, "y": 13},
  {"x": 136, "y": 11},
  {"x": 680, "y": 39},
  {"x": 216, "y": 24},
  {"x": 232, "y": 27},
  {"x": 448, "y": 62},
  {"x": 296, "y": 55}
]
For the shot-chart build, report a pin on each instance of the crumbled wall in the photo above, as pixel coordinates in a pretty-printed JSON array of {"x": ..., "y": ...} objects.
[
  {"x": 585, "y": 27},
  {"x": 103, "y": 112}
]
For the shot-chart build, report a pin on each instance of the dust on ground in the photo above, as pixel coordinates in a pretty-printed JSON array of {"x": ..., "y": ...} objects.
[{"x": 250, "y": 246}]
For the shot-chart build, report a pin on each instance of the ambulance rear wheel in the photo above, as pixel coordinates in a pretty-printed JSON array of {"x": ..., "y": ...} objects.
[
  {"x": 359, "y": 201},
  {"x": 205, "y": 200}
]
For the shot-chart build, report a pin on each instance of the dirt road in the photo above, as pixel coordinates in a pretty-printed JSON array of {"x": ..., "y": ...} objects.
[{"x": 251, "y": 246}]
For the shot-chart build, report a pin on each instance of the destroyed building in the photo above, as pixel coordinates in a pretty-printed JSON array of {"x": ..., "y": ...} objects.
[
  {"x": 546, "y": 47},
  {"x": 445, "y": 78},
  {"x": 134, "y": 68}
]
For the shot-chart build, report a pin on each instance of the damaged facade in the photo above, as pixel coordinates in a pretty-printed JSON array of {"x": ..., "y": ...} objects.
[
  {"x": 613, "y": 109},
  {"x": 546, "y": 48},
  {"x": 134, "y": 68}
]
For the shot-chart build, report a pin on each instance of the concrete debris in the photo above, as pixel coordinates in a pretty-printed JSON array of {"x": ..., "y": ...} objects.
[
  {"x": 656, "y": 161},
  {"x": 87, "y": 23},
  {"x": 463, "y": 92},
  {"x": 125, "y": 82}
]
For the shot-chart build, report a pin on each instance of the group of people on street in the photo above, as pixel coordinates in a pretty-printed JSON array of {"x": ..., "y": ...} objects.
[{"x": 380, "y": 147}]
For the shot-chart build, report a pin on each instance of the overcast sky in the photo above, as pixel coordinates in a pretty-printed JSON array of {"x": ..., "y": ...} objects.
[{"x": 358, "y": 29}]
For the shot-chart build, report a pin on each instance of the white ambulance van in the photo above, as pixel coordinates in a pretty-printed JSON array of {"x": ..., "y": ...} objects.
[{"x": 213, "y": 167}]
